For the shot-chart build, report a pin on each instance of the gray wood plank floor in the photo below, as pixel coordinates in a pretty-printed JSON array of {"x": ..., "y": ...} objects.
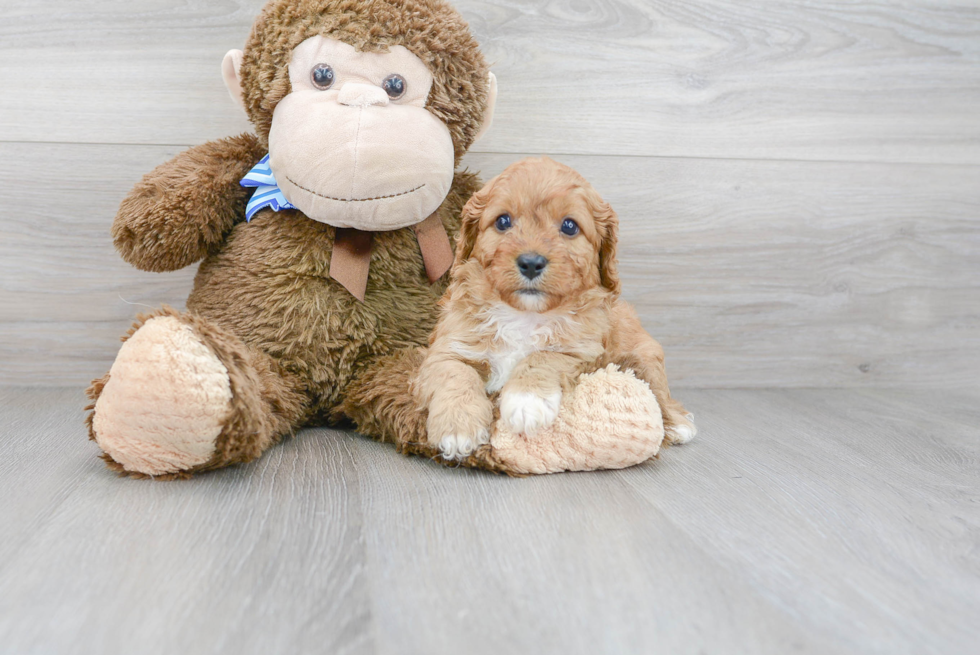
[
  {"x": 799, "y": 190},
  {"x": 813, "y": 521}
]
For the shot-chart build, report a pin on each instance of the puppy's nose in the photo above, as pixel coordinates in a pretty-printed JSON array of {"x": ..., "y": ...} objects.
[{"x": 531, "y": 264}]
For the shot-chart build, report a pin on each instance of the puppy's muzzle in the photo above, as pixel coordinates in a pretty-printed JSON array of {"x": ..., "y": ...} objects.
[{"x": 531, "y": 264}]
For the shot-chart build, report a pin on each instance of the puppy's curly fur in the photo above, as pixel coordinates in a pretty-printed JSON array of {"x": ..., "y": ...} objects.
[{"x": 534, "y": 302}]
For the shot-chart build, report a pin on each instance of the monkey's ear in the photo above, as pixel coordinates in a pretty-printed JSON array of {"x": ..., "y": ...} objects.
[
  {"x": 230, "y": 66},
  {"x": 488, "y": 113}
]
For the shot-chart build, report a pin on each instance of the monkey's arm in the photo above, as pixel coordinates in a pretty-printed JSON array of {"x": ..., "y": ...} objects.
[{"x": 182, "y": 209}]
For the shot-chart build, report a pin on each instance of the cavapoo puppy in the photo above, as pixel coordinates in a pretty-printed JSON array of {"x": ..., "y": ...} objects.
[{"x": 533, "y": 303}]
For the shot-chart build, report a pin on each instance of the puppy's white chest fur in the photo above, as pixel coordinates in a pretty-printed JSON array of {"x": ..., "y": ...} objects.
[{"x": 513, "y": 335}]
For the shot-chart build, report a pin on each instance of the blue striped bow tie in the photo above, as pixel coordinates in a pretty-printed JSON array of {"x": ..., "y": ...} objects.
[{"x": 267, "y": 191}]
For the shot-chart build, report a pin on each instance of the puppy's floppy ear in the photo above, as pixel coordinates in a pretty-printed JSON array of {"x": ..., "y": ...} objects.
[
  {"x": 469, "y": 228},
  {"x": 607, "y": 225}
]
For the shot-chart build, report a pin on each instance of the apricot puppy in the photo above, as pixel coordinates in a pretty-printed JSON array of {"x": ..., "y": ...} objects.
[{"x": 533, "y": 303}]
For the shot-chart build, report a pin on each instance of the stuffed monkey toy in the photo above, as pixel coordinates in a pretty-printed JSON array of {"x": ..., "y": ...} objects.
[{"x": 326, "y": 238}]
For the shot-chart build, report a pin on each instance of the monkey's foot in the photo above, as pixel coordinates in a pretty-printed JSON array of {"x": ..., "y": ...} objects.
[
  {"x": 609, "y": 420},
  {"x": 166, "y": 400}
]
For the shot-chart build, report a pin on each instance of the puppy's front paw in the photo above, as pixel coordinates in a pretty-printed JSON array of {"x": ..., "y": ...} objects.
[
  {"x": 525, "y": 412},
  {"x": 681, "y": 431},
  {"x": 458, "y": 446},
  {"x": 458, "y": 431}
]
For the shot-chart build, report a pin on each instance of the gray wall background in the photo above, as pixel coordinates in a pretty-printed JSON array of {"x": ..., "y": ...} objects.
[{"x": 798, "y": 182}]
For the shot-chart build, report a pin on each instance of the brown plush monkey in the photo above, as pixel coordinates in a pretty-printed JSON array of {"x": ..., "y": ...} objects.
[{"x": 313, "y": 308}]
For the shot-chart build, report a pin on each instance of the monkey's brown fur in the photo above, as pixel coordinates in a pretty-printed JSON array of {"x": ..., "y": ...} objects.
[
  {"x": 292, "y": 339},
  {"x": 297, "y": 348}
]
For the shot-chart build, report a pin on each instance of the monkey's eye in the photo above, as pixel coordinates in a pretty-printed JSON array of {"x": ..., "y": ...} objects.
[
  {"x": 503, "y": 223},
  {"x": 322, "y": 76},
  {"x": 394, "y": 85},
  {"x": 569, "y": 227}
]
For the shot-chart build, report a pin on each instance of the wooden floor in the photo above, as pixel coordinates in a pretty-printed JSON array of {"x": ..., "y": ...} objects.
[
  {"x": 813, "y": 521},
  {"x": 798, "y": 185}
]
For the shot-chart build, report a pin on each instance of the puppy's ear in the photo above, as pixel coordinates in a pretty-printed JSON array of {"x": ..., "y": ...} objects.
[
  {"x": 607, "y": 225},
  {"x": 469, "y": 228}
]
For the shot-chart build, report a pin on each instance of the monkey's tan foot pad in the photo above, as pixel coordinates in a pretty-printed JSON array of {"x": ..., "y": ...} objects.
[
  {"x": 610, "y": 420},
  {"x": 167, "y": 399}
]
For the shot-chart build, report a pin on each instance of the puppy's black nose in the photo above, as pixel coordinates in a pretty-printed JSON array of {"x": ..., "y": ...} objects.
[{"x": 531, "y": 264}]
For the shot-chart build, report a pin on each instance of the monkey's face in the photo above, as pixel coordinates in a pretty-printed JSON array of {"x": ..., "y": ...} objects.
[{"x": 352, "y": 144}]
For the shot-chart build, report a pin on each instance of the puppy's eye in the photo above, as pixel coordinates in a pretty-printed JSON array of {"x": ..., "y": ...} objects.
[
  {"x": 569, "y": 227},
  {"x": 394, "y": 85},
  {"x": 322, "y": 76},
  {"x": 503, "y": 222}
]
